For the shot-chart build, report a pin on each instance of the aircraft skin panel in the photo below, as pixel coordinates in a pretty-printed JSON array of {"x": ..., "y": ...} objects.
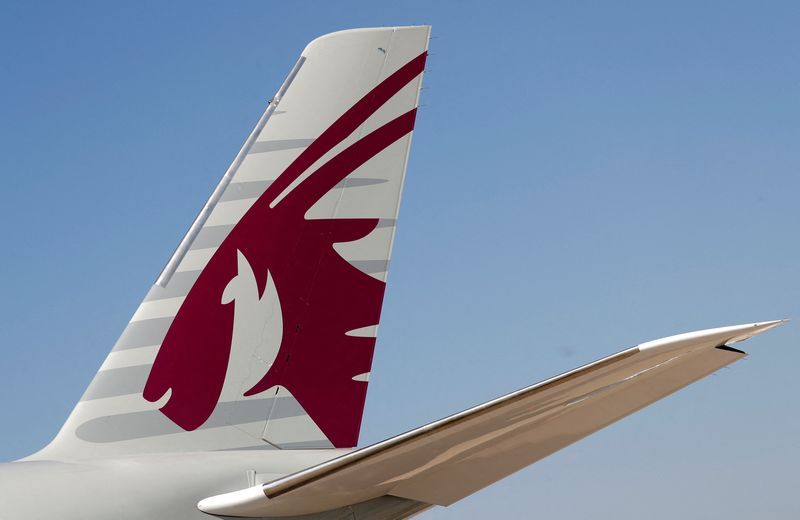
[{"x": 141, "y": 487}]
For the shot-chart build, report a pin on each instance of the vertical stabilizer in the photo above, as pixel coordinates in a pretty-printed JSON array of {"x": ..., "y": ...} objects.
[{"x": 260, "y": 331}]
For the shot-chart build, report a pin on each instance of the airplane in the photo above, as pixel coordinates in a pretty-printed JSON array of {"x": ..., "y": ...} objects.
[{"x": 237, "y": 388}]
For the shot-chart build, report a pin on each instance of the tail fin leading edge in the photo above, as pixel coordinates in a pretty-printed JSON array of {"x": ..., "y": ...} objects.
[{"x": 261, "y": 329}]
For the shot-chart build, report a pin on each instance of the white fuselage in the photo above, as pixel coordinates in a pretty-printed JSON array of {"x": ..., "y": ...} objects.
[{"x": 142, "y": 487}]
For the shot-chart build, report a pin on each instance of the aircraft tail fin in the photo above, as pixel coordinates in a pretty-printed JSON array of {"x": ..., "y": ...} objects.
[{"x": 260, "y": 331}]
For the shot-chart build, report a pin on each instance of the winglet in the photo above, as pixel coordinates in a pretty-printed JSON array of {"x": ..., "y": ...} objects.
[
  {"x": 708, "y": 338},
  {"x": 758, "y": 328}
]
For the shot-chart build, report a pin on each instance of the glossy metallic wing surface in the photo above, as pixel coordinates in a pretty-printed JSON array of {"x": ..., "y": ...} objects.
[{"x": 447, "y": 460}]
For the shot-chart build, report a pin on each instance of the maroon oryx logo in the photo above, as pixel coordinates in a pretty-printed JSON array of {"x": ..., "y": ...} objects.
[{"x": 321, "y": 295}]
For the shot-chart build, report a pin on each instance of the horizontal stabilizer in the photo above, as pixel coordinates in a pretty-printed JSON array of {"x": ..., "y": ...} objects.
[{"x": 454, "y": 457}]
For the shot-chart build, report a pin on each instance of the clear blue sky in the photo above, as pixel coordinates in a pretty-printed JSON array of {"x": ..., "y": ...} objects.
[{"x": 584, "y": 177}]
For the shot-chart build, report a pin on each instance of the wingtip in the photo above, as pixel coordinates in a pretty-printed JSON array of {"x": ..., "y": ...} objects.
[
  {"x": 757, "y": 328},
  {"x": 709, "y": 337}
]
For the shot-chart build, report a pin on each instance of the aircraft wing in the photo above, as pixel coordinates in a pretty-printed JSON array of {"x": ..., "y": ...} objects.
[{"x": 449, "y": 459}]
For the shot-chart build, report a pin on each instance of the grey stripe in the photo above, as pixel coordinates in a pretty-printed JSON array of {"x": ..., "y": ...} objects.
[
  {"x": 357, "y": 183},
  {"x": 211, "y": 236},
  {"x": 208, "y": 208},
  {"x": 307, "y": 445},
  {"x": 178, "y": 286},
  {"x": 370, "y": 266},
  {"x": 117, "y": 381},
  {"x": 278, "y": 144},
  {"x": 143, "y": 333},
  {"x": 254, "y": 189},
  {"x": 322, "y": 444},
  {"x": 245, "y": 190},
  {"x": 151, "y": 423},
  {"x": 260, "y": 447}
]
